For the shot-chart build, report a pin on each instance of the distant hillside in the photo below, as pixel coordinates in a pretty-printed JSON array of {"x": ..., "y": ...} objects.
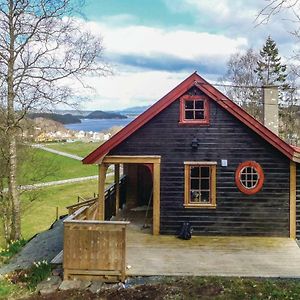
[
  {"x": 63, "y": 119},
  {"x": 136, "y": 110},
  {"x": 99, "y": 114}
]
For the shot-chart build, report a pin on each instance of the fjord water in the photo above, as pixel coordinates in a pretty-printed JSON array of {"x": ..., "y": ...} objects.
[{"x": 98, "y": 125}]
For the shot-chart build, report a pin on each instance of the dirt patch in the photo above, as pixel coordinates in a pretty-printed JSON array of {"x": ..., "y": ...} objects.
[{"x": 146, "y": 291}]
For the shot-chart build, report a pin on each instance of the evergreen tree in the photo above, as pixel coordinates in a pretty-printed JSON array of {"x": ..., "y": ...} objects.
[{"x": 269, "y": 68}]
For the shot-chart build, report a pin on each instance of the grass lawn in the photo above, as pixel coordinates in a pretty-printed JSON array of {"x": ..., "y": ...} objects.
[
  {"x": 43, "y": 166},
  {"x": 189, "y": 288},
  {"x": 12, "y": 291},
  {"x": 39, "y": 206},
  {"x": 78, "y": 148}
]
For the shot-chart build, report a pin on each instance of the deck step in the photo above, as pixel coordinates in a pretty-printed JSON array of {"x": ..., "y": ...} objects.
[{"x": 58, "y": 259}]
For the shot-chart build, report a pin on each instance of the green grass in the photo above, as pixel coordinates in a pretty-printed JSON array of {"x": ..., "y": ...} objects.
[
  {"x": 235, "y": 288},
  {"x": 39, "y": 206},
  {"x": 78, "y": 148},
  {"x": 43, "y": 166},
  {"x": 11, "y": 291}
]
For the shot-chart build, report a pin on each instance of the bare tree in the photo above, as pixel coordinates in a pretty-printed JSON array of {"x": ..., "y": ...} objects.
[
  {"x": 274, "y": 7},
  {"x": 42, "y": 45},
  {"x": 244, "y": 82}
]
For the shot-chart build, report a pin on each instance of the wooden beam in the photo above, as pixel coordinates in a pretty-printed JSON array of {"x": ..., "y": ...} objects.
[
  {"x": 156, "y": 198},
  {"x": 101, "y": 187},
  {"x": 117, "y": 186},
  {"x": 135, "y": 159},
  {"x": 292, "y": 200}
]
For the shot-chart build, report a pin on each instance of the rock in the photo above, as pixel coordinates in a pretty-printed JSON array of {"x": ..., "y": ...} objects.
[
  {"x": 49, "y": 285},
  {"x": 74, "y": 284},
  {"x": 57, "y": 272},
  {"x": 96, "y": 287}
]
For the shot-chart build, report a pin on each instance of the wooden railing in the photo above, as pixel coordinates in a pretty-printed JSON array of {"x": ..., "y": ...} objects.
[
  {"x": 110, "y": 200},
  {"x": 94, "y": 249}
]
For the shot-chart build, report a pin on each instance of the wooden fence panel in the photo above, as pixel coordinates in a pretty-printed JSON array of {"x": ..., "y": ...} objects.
[{"x": 94, "y": 248}]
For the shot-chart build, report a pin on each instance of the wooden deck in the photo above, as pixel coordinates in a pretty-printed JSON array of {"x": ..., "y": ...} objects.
[{"x": 208, "y": 256}]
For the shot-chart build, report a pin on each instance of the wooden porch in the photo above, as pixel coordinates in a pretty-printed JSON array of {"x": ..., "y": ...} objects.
[
  {"x": 211, "y": 256},
  {"x": 97, "y": 248}
]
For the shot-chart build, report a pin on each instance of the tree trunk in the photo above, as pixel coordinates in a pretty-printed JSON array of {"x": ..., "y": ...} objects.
[
  {"x": 12, "y": 133},
  {"x": 12, "y": 189},
  {"x": 5, "y": 211}
]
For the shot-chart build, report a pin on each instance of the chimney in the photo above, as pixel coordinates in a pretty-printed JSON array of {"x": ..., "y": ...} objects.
[{"x": 270, "y": 104}]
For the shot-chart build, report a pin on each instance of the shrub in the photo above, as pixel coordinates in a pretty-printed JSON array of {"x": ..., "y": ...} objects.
[
  {"x": 12, "y": 248},
  {"x": 37, "y": 273}
]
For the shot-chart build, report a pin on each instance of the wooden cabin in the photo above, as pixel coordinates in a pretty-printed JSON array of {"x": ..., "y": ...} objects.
[{"x": 205, "y": 161}]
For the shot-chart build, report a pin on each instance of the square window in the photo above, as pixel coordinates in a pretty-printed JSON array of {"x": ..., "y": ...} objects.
[
  {"x": 194, "y": 109},
  {"x": 200, "y": 185}
]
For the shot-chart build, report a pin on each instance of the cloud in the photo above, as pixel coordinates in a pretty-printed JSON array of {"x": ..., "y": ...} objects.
[
  {"x": 128, "y": 88},
  {"x": 237, "y": 18},
  {"x": 163, "y": 49}
]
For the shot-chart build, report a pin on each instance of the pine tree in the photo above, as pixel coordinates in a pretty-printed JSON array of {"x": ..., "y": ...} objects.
[{"x": 269, "y": 68}]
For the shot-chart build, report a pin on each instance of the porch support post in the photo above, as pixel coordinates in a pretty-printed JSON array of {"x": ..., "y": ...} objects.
[
  {"x": 156, "y": 198},
  {"x": 292, "y": 200},
  {"x": 101, "y": 187},
  {"x": 117, "y": 186}
]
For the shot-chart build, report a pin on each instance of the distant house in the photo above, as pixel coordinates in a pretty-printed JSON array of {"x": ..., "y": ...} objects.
[{"x": 208, "y": 162}]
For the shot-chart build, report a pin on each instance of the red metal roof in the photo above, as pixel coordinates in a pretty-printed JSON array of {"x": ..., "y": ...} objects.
[{"x": 291, "y": 152}]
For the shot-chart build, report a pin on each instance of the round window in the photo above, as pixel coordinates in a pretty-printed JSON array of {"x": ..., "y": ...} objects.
[{"x": 249, "y": 177}]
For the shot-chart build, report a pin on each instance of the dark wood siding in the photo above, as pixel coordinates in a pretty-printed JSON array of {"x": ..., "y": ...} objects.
[
  {"x": 298, "y": 201},
  {"x": 263, "y": 214}
]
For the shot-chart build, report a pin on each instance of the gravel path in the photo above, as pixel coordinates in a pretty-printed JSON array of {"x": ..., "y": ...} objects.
[
  {"x": 44, "y": 246},
  {"x": 57, "y": 152}
]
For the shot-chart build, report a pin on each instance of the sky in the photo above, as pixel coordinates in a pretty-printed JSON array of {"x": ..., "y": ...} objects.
[{"x": 152, "y": 45}]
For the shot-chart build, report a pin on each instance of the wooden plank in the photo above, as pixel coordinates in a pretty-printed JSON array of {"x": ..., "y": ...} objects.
[
  {"x": 213, "y": 186},
  {"x": 202, "y": 163},
  {"x": 117, "y": 186},
  {"x": 58, "y": 259},
  {"x": 89, "y": 222},
  {"x": 93, "y": 272},
  {"x": 292, "y": 200},
  {"x": 156, "y": 198},
  {"x": 119, "y": 159},
  {"x": 101, "y": 197},
  {"x": 76, "y": 214}
]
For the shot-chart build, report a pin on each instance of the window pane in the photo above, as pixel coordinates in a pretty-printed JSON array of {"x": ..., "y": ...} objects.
[
  {"x": 249, "y": 177},
  {"x": 195, "y": 196},
  {"x": 204, "y": 184},
  {"x": 205, "y": 197},
  {"x": 199, "y": 104},
  {"x": 189, "y": 104},
  {"x": 189, "y": 114},
  {"x": 195, "y": 184},
  {"x": 199, "y": 114},
  {"x": 204, "y": 171},
  {"x": 195, "y": 172}
]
